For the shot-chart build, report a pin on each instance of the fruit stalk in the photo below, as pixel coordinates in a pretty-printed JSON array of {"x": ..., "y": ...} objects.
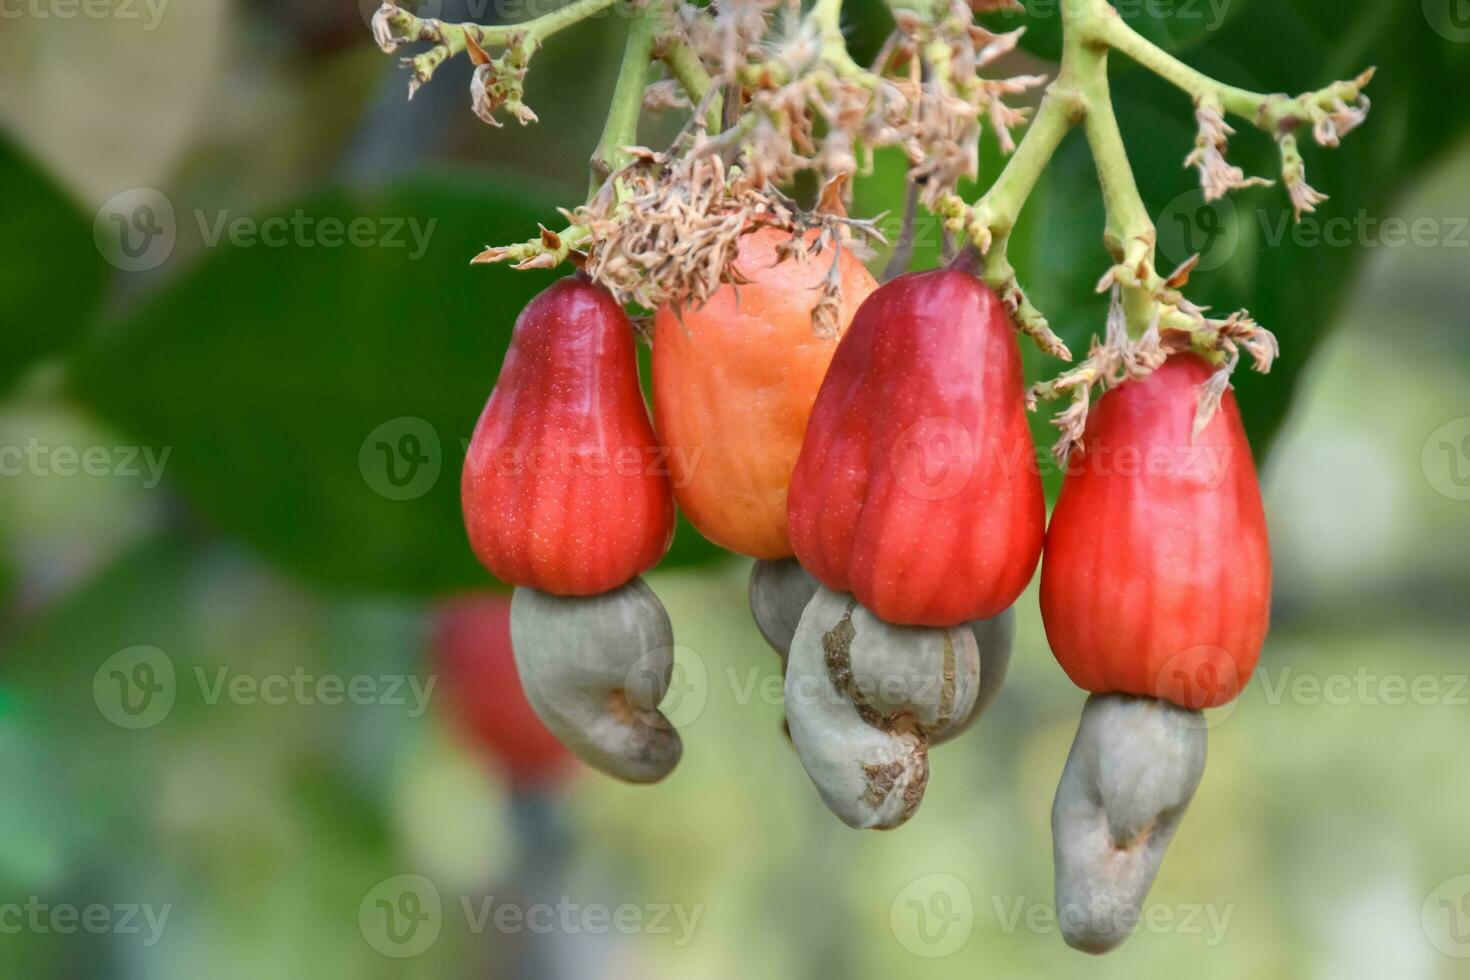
[{"x": 621, "y": 129}]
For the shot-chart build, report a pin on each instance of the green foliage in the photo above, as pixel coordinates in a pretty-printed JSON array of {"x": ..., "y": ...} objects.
[
  {"x": 286, "y": 381},
  {"x": 52, "y": 276},
  {"x": 1294, "y": 287}
]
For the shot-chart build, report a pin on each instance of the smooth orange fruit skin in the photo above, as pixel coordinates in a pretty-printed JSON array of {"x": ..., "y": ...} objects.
[{"x": 733, "y": 386}]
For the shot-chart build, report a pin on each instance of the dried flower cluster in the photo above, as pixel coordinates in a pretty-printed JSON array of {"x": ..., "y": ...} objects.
[
  {"x": 1332, "y": 113},
  {"x": 664, "y": 228},
  {"x": 815, "y": 109},
  {"x": 772, "y": 93},
  {"x": 1179, "y": 325}
]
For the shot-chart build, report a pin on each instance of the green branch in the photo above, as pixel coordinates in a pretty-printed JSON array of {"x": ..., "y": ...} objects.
[
  {"x": 684, "y": 65},
  {"x": 1275, "y": 113},
  {"x": 392, "y": 25},
  {"x": 621, "y": 129}
]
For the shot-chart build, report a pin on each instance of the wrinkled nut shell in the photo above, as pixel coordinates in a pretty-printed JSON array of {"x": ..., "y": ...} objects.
[
  {"x": 996, "y": 638},
  {"x": 779, "y": 593},
  {"x": 1133, "y": 768},
  {"x": 864, "y": 701},
  {"x": 595, "y": 669}
]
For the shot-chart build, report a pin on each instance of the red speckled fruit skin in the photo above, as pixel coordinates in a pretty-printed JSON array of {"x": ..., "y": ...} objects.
[
  {"x": 1157, "y": 574},
  {"x": 482, "y": 691},
  {"x": 564, "y": 486},
  {"x": 917, "y": 488}
]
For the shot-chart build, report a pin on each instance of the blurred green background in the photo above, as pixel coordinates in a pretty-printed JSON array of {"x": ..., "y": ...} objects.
[{"x": 229, "y": 450}]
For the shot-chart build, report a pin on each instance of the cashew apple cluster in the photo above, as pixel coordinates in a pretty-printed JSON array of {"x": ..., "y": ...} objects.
[
  {"x": 886, "y": 483},
  {"x": 868, "y": 445}
]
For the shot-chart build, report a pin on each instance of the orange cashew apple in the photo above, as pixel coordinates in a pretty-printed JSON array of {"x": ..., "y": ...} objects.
[{"x": 733, "y": 385}]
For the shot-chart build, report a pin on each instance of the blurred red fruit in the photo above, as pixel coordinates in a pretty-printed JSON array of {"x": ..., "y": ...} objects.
[{"x": 479, "y": 684}]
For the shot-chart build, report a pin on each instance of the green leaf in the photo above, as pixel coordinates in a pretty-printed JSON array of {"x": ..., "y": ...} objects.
[
  {"x": 52, "y": 276},
  {"x": 1253, "y": 257},
  {"x": 317, "y": 400}
]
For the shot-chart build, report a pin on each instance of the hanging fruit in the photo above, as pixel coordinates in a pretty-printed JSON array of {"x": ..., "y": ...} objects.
[
  {"x": 917, "y": 488},
  {"x": 1157, "y": 574},
  {"x": 563, "y": 488},
  {"x": 895, "y": 508},
  {"x": 565, "y": 498},
  {"x": 1155, "y": 593},
  {"x": 733, "y": 385}
]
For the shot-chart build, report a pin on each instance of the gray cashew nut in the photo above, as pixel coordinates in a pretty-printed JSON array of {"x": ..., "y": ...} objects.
[
  {"x": 996, "y": 638},
  {"x": 1133, "y": 768},
  {"x": 865, "y": 699},
  {"x": 779, "y": 592},
  {"x": 595, "y": 669}
]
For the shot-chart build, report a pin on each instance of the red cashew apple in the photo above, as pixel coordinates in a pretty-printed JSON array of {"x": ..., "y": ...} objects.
[
  {"x": 1157, "y": 574},
  {"x": 564, "y": 489},
  {"x": 482, "y": 692},
  {"x": 917, "y": 488}
]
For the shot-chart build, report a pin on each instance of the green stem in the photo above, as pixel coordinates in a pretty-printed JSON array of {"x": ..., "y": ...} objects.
[
  {"x": 685, "y": 66},
  {"x": 997, "y": 210},
  {"x": 827, "y": 16},
  {"x": 1130, "y": 235},
  {"x": 621, "y": 129},
  {"x": 1276, "y": 113},
  {"x": 450, "y": 39},
  {"x": 1110, "y": 29},
  {"x": 546, "y": 25}
]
